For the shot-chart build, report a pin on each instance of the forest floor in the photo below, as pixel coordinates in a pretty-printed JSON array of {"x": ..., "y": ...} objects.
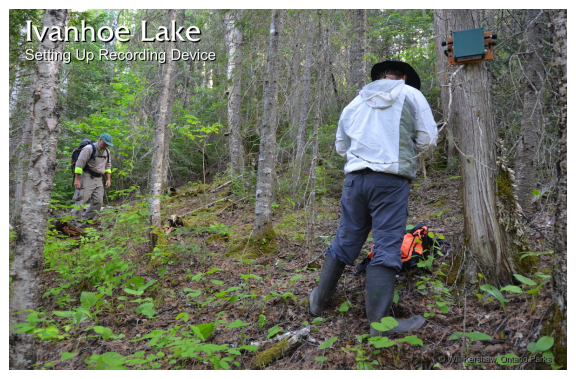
[{"x": 194, "y": 282}]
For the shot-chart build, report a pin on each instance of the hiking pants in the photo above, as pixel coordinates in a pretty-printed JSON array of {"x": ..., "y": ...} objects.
[
  {"x": 91, "y": 189},
  {"x": 372, "y": 201}
]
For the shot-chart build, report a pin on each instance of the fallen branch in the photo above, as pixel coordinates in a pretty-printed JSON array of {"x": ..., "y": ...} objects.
[{"x": 289, "y": 342}]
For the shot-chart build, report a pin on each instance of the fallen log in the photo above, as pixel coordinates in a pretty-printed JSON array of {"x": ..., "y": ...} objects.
[{"x": 288, "y": 344}]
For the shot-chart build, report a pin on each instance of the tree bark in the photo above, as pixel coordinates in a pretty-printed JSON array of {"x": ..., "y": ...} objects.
[
  {"x": 314, "y": 162},
  {"x": 233, "y": 42},
  {"x": 472, "y": 121},
  {"x": 531, "y": 123},
  {"x": 167, "y": 131},
  {"x": 559, "y": 273},
  {"x": 158, "y": 146},
  {"x": 358, "y": 66},
  {"x": 304, "y": 104},
  {"x": 38, "y": 172},
  {"x": 266, "y": 182}
]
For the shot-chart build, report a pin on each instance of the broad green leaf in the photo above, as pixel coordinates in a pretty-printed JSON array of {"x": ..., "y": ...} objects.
[
  {"x": 513, "y": 289},
  {"x": 444, "y": 309},
  {"x": 203, "y": 330},
  {"x": 63, "y": 313},
  {"x": 249, "y": 347},
  {"x": 381, "y": 342},
  {"x": 193, "y": 293},
  {"x": 478, "y": 336},
  {"x": 535, "y": 192},
  {"x": 412, "y": 340},
  {"x": 385, "y": 324},
  {"x": 320, "y": 359},
  {"x": 328, "y": 343},
  {"x": 88, "y": 299},
  {"x": 273, "y": 331},
  {"x": 112, "y": 359},
  {"x": 544, "y": 343},
  {"x": 344, "y": 307},
  {"x": 496, "y": 293},
  {"x": 134, "y": 292},
  {"x": 66, "y": 355},
  {"x": 183, "y": 315},
  {"x": 236, "y": 324},
  {"x": 532, "y": 347},
  {"x": 261, "y": 321},
  {"x": 525, "y": 280},
  {"x": 146, "y": 309},
  {"x": 217, "y": 282},
  {"x": 456, "y": 335},
  {"x": 295, "y": 278},
  {"x": 136, "y": 282},
  {"x": 395, "y": 298},
  {"x": 508, "y": 360},
  {"x": 317, "y": 321}
]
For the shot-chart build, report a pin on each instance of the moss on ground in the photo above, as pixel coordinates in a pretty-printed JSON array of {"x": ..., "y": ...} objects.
[{"x": 252, "y": 247}]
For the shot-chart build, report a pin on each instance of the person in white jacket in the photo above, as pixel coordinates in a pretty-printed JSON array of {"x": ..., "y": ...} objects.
[{"x": 381, "y": 132}]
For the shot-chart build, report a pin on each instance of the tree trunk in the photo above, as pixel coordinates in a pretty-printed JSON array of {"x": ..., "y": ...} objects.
[
  {"x": 358, "y": 63},
  {"x": 155, "y": 219},
  {"x": 266, "y": 182},
  {"x": 167, "y": 131},
  {"x": 233, "y": 42},
  {"x": 38, "y": 172},
  {"x": 531, "y": 124},
  {"x": 472, "y": 121},
  {"x": 304, "y": 104},
  {"x": 314, "y": 161},
  {"x": 559, "y": 273}
]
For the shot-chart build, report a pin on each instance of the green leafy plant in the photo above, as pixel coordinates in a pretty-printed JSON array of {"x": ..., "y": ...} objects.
[
  {"x": 325, "y": 345},
  {"x": 543, "y": 346},
  {"x": 344, "y": 307},
  {"x": 496, "y": 293},
  {"x": 473, "y": 336}
]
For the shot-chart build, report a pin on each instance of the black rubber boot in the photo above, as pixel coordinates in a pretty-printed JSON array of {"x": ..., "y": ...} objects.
[
  {"x": 321, "y": 295},
  {"x": 380, "y": 283}
]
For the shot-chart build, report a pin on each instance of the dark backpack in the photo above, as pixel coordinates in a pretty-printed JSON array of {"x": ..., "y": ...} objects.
[
  {"x": 76, "y": 153},
  {"x": 415, "y": 245}
]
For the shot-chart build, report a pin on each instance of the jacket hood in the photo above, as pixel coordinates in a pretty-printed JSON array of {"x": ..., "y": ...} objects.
[{"x": 382, "y": 93}]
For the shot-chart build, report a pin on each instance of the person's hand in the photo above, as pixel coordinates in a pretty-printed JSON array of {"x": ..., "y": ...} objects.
[
  {"x": 107, "y": 183},
  {"x": 77, "y": 183}
]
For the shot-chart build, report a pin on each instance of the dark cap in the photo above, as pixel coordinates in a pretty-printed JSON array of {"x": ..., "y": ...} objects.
[{"x": 413, "y": 79}]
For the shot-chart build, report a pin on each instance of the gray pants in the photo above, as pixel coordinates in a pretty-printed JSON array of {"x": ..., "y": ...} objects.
[
  {"x": 91, "y": 189},
  {"x": 372, "y": 201}
]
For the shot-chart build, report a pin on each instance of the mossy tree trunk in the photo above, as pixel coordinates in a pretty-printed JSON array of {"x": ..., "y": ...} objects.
[
  {"x": 474, "y": 128},
  {"x": 559, "y": 273},
  {"x": 266, "y": 183},
  {"x": 31, "y": 216}
]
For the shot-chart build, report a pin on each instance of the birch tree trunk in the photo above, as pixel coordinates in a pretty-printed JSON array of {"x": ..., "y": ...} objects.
[
  {"x": 155, "y": 219},
  {"x": 233, "y": 42},
  {"x": 304, "y": 104},
  {"x": 559, "y": 274},
  {"x": 171, "y": 96},
  {"x": 531, "y": 123},
  {"x": 266, "y": 182},
  {"x": 358, "y": 63},
  {"x": 39, "y": 168},
  {"x": 472, "y": 121}
]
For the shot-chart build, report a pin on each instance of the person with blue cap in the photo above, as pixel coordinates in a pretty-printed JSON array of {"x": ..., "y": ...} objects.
[
  {"x": 381, "y": 133},
  {"x": 93, "y": 162}
]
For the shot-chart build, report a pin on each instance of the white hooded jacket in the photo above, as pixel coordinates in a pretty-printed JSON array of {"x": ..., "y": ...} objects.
[{"x": 385, "y": 127}]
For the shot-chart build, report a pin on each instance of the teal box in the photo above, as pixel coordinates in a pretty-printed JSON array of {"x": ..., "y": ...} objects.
[{"x": 468, "y": 44}]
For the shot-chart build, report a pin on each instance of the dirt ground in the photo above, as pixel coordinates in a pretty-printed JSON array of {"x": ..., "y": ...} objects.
[{"x": 435, "y": 203}]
